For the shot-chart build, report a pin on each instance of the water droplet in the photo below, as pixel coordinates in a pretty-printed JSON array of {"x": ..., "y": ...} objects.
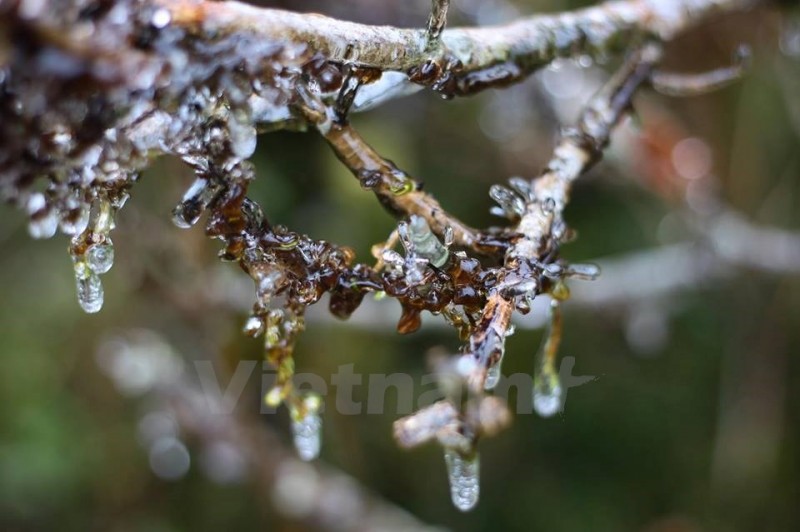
[
  {"x": 89, "y": 288},
  {"x": 194, "y": 202},
  {"x": 100, "y": 257},
  {"x": 307, "y": 428},
  {"x": 463, "y": 474},
  {"x": 549, "y": 205},
  {"x": 547, "y": 393}
]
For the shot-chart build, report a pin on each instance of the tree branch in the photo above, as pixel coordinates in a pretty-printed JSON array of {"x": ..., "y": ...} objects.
[{"x": 514, "y": 50}]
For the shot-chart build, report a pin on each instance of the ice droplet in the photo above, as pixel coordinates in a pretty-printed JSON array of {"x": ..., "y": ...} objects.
[
  {"x": 463, "y": 474},
  {"x": 547, "y": 394},
  {"x": 307, "y": 428},
  {"x": 89, "y": 288},
  {"x": 493, "y": 374},
  {"x": 100, "y": 257},
  {"x": 194, "y": 202}
]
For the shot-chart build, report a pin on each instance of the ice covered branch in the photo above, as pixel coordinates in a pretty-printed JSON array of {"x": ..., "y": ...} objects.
[{"x": 484, "y": 56}]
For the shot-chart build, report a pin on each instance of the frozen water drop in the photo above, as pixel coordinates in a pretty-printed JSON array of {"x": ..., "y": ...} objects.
[
  {"x": 307, "y": 428},
  {"x": 89, "y": 288},
  {"x": 463, "y": 474},
  {"x": 194, "y": 202},
  {"x": 547, "y": 394},
  {"x": 307, "y": 436},
  {"x": 100, "y": 257}
]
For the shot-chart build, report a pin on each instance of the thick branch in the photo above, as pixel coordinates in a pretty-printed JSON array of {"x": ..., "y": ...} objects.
[{"x": 525, "y": 44}]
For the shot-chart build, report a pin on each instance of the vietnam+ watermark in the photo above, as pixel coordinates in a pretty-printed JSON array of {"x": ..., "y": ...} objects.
[{"x": 352, "y": 393}]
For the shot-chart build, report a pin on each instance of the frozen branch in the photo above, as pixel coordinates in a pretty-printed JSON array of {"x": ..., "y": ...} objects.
[{"x": 521, "y": 46}]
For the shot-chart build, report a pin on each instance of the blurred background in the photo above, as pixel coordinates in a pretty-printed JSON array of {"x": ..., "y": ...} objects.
[{"x": 691, "y": 425}]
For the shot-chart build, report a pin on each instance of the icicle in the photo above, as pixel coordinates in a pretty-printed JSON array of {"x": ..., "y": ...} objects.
[
  {"x": 586, "y": 272},
  {"x": 89, "y": 287},
  {"x": 492, "y": 352},
  {"x": 307, "y": 427},
  {"x": 463, "y": 473},
  {"x": 547, "y": 391},
  {"x": 493, "y": 373},
  {"x": 194, "y": 202},
  {"x": 92, "y": 254},
  {"x": 522, "y": 187}
]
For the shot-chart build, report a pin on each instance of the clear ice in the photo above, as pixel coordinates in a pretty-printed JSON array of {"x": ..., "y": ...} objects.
[
  {"x": 89, "y": 288},
  {"x": 547, "y": 393},
  {"x": 464, "y": 476},
  {"x": 100, "y": 257},
  {"x": 307, "y": 427}
]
